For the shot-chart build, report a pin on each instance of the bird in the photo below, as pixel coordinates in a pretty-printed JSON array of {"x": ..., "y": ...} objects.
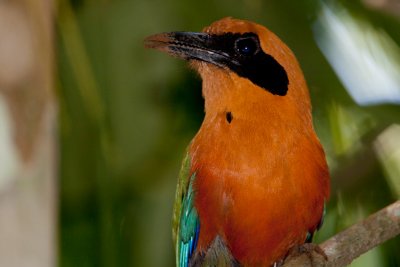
[{"x": 254, "y": 180}]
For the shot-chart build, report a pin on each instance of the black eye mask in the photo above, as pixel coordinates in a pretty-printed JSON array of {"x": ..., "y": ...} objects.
[{"x": 239, "y": 52}]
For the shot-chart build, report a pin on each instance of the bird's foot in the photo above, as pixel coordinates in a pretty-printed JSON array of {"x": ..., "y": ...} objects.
[
  {"x": 315, "y": 255},
  {"x": 308, "y": 248},
  {"x": 278, "y": 263}
]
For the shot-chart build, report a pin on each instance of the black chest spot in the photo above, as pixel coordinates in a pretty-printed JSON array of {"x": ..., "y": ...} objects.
[{"x": 229, "y": 116}]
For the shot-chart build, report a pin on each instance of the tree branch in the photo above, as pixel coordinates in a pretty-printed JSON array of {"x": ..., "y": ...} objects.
[{"x": 349, "y": 244}]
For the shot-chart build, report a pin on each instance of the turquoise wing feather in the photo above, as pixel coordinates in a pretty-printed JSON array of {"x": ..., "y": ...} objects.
[{"x": 186, "y": 224}]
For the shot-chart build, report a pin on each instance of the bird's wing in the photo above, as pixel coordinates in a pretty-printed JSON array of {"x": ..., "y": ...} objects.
[{"x": 186, "y": 224}]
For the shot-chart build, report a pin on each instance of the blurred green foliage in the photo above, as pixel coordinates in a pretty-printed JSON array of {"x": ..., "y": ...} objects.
[{"x": 126, "y": 115}]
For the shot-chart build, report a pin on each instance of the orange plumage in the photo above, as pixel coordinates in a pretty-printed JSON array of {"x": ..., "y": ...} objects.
[{"x": 261, "y": 177}]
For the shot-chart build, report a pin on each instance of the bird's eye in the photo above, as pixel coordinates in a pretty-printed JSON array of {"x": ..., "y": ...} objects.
[{"x": 246, "y": 46}]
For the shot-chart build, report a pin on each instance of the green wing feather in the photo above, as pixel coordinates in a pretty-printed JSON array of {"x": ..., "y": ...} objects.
[
  {"x": 181, "y": 190},
  {"x": 185, "y": 221}
]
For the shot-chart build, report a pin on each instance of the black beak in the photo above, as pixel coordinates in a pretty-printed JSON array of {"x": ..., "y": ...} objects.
[{"x": 190, "y": 46}]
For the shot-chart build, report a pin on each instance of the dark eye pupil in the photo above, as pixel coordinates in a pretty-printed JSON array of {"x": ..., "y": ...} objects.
[{"x": 246, "y": 46}]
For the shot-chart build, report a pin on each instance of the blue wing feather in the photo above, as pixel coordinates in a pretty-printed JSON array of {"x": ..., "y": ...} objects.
[{"x": 189, "y": 227}]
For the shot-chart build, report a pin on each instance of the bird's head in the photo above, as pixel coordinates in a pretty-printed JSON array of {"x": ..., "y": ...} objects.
[{"x": 238, "y": 53}]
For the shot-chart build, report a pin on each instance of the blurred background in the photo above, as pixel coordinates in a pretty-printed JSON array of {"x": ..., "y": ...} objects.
[{"x": 126, "y": 114}]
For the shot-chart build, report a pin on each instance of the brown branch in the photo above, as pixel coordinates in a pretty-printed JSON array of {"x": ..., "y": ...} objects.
[{"x": 349, "y": 244}]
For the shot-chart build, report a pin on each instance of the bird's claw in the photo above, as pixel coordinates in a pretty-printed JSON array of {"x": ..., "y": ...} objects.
[{"x": 313, "y": 252}]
